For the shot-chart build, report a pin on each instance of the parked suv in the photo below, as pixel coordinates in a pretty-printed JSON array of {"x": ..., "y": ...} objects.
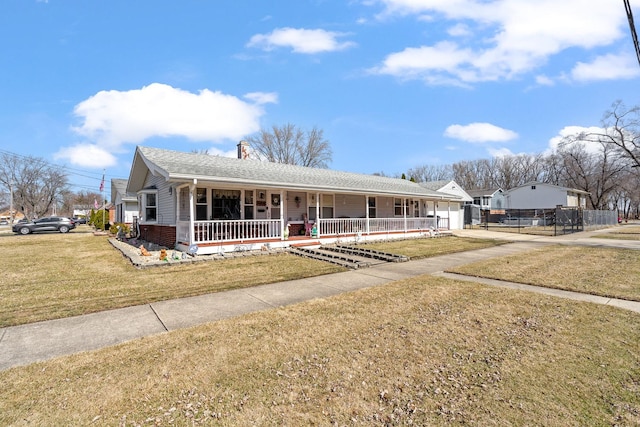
[{"x": 51, "y": 223}]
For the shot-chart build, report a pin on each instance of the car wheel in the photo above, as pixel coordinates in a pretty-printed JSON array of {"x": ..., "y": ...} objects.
[
  {"x": 24, "y": 230},
  {"x": 63, "y": 229}
]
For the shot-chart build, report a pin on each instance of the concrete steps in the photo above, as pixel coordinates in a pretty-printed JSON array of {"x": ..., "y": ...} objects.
[{"x": 347, "y": 256}]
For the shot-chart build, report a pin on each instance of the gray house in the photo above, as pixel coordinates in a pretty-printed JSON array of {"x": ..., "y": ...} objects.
[
  {"x": 491, "y": 199},
  {"x": 125, "y": 203},
  {"x": 210, "y": 204}
]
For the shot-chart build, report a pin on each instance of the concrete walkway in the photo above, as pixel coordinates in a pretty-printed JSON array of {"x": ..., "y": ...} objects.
[{"x": 25, "y": 344}]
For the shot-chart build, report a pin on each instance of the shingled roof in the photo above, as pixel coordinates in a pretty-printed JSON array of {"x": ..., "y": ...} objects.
[{"x": 179, "y": 166}]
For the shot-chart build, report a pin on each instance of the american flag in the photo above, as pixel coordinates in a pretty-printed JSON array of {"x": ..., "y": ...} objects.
[{"x": 102, "y": 184}]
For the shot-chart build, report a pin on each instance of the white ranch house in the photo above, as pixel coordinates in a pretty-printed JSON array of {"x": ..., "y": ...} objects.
[{"x": 208, "y": 204}]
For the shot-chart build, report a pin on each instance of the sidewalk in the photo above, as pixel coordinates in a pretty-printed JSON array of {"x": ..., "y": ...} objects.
[{"x": 25, "y": 344}]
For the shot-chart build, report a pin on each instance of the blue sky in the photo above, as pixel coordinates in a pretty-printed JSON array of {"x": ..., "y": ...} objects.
[{"x": 394, "y": 84}]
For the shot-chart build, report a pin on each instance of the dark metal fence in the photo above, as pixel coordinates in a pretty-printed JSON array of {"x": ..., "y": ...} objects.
[{"x": 557, "y": 221}]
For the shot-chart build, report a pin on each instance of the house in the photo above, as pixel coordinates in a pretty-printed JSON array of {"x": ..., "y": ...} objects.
[
  {"x": 450, "y": 187},
  {"x": 488, "y": 199},
  {"x": 539, "y": 195},
  {"x": 126, "y": 204},
  {"x": 209, "y": 204}
]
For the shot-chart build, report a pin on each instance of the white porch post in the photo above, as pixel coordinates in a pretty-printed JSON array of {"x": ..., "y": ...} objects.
[
  {"x": 366, "y": 202},
  {"x": 192, "y": 231},
  {"x": 317, "y": 224},
  {"x": 404, "y": 212},
  {"x": 282, "y": 206}
]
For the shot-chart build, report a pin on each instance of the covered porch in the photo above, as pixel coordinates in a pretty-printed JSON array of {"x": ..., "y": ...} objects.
[{"x": 216, "y": 220}]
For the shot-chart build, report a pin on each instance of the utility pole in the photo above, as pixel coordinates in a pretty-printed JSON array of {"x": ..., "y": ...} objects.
[
  {"x": 11, "y": 216},
  {"x": 632, "y": 27}
]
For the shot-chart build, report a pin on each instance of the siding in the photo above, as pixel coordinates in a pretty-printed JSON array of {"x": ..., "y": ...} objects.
[{"x": 166, "y": 201}]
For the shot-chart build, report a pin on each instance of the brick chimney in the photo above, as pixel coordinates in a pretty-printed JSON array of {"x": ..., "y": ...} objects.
[{"x": 243, "y": 150}]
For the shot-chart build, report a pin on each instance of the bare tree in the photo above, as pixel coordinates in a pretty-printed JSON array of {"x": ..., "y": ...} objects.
[
  {"x": 474, "y": 174},
  {"x": 513, "y": 171},
  {"x": 620, "y": 131},
  {"x": 428, "y": 173},
  {"x": 288, "y": 144},
  {"x": 598, "y": 173},
  {"x": 37, "y": 186}
]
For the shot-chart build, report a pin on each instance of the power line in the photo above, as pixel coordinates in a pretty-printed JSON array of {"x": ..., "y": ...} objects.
[
  {"x": 97, "y": 176},
  {"x": 632, "y": 28}
]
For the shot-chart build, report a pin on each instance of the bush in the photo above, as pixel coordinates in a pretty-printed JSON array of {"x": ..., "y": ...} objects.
[
  {"x": 124, "y": 228},
  {"x": 97, "y": 219}
]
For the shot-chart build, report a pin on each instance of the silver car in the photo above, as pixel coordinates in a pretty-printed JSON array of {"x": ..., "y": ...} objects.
[{"x": 51, "y": 223}]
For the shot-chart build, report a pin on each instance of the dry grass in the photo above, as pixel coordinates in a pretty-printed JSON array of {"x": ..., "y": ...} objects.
[
  {"x": 599, "y": 271},
  {"x": 424, "y": 248},
  {"x": 424, "y": 351},
  {"x": 49, "y": 276},
  {"x": 623, "y": 233}
]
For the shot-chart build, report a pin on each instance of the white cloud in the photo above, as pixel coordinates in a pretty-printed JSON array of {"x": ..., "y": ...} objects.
[
  {"x": 300, "y": 40},
  {"x": 566, "y": 133},
  {"x": 543, "y": 80},
  {"x": 480, "y": 133},
  {"x": 500, "y": 152},
  {"x": 459, "y": 30},
  {"x": 262, "y": 97},
  {"x": 511, "y": 38},
  {"x": 86, "y": 155},
  {"x": 607, "y": 67},
  {"x": 110, "y": 119}
]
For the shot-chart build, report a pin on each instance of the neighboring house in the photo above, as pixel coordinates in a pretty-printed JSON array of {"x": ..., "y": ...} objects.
[
  {"x": 126, "y": 204},
  {"x": 81, "y": 211},
  {"x": 488, "y": 199},
  {"x": 6, "y": 216},
  {"x": 538, "y": 195},
  {"x": 451, "y": 187},
  {"x": 210, "y": 204}
]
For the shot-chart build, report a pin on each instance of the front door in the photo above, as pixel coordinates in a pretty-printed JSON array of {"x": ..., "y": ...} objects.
[{"x": 262, "y": 209}]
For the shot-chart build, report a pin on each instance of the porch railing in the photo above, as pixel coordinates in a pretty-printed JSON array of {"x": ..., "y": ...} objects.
[
  {"x": 266, "y": 229},
  {"x": 376, "y": 225},
  {"x": 218, "y": 231}
]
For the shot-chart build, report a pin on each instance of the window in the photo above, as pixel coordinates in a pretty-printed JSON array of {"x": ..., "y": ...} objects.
[
  {"x": 225, "y": 204},
  {"x": 372, "y": 207},
  {"x": 201, "y": 204},
  {"x": 397, "y": 205},
  {"x": 533, "y": 187},
  {"x": 326, "y": 206},
  {"x": 150, "y": 206}
]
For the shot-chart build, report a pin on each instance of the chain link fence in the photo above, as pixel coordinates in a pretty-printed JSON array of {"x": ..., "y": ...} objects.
[{"x": 552, "y": 222}]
